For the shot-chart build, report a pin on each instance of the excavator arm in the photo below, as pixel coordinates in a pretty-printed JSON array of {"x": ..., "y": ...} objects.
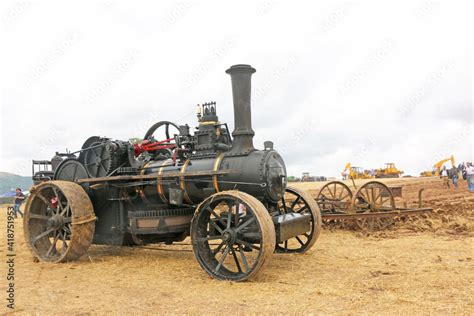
[
  {"x": 347, "y": 167},
  {"x": 437, "y": 166},
  {"x": 440, "y": 163}
]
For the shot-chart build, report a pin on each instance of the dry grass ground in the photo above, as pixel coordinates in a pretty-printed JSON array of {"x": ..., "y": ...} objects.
[{"x": 402, "y": 271}]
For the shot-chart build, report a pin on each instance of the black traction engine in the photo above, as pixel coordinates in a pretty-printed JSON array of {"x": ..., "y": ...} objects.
[{"x": 209, "y": 184}]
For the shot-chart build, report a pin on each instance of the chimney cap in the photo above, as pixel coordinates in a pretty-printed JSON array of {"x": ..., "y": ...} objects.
[{"x": 241, "y": 67}]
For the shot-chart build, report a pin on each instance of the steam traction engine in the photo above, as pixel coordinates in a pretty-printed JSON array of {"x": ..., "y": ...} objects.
[{"x": 230, "y": 198}]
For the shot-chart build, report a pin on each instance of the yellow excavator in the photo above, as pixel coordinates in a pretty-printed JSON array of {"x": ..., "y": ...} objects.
[
  {"x": 388, "y": 171},
  {"x": 355, "y": 172},
  {"x": 437, "y": 167}
]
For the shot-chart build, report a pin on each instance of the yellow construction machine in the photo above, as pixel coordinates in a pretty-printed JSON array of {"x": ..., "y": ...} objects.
[
  {"x": 388, "y": 171},
  {"x": 437, "y": 167},
  {"x": 355, "y": 172}
]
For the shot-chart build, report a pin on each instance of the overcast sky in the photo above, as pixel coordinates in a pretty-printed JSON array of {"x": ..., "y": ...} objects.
[{"x": 362, "y": 81}]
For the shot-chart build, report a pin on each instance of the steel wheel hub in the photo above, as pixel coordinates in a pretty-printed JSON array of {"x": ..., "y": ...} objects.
[
  {"x": 230, "y": 236},
  {"x": 56, "y": 222}
]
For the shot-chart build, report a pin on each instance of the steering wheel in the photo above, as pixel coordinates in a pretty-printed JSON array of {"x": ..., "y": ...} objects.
[
  {"x": 160, "y": 145},
  {"x": 154, "y": 127}
]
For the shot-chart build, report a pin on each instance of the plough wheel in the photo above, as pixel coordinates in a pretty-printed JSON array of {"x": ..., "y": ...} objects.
[
  {"x": 334, "y": 197},
  {"x": 59, "y": 221},
  {"x": 297, "y": 201},
  {"x": 232, "y": 235},
  {"x": 373, "y": 196}
]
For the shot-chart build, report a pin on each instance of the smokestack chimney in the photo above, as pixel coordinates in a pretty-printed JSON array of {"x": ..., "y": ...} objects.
[{"x": 241, "y": 89}]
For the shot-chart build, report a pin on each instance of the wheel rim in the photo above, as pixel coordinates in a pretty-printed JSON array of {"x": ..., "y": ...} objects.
[
  {"x": 334, "y": 197},
  {"x": 54, "y": 230},
  {"x": 230, "y": 236},
  {"x": 296, "y": 201}
]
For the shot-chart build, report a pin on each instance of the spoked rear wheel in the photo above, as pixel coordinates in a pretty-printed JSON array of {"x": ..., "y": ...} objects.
[
  {"x": 59, "y": 221},
  {"x": 297, "y": 201},
  {"x": 232, "y": 235}
]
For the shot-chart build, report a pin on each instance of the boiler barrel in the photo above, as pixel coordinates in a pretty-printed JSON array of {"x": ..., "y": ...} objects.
[{"x": 260, "y": 173}]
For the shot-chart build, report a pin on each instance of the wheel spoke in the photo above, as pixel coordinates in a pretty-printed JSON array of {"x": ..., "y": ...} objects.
[
  {"x": 210, "y": 238},
  {"x": 229, "y": 218},
  {"x": 237, "y": 207},
  {"x": 379, "y": 195},
  {"x": 340, "y": 194},
  {"x": 65, "y": 210},
  {"x": 63, "y": 238},
  {"x": 244, "y": 259},
  {"x": 38, "y": 216},
  {"x": 294, "y": 203},
  {"x": 213, "y": 223},
  {"x": 45, "y": 200},
  {"x": 216, "y": 216},
  {"x": 301, "y": 210},
  {"x": 53, "y": 245},
  {"x": 235, "y": 259},
  {"x": 248, "y": 222},
  {"x": 42, "y": 235},
  {"x": 343, "y": 198},
  {"x": 221, "y": 261},
  {"x": 241, "y": 242},
  {"x": 55, "y": 192},
  {"x": 368, "y": 195},
  {"x": 251, "y": 235},
  {"x": 215, "y": 251},
  {"x": 299, "y": 240},
  {"x": 66, "y": 229}
]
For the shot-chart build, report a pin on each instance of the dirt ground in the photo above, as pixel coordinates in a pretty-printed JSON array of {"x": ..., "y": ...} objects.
[{"x": 422, "y": 265}]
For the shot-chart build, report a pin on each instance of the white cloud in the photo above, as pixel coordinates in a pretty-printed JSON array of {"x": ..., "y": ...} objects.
[{"x": 366, "y": 82}]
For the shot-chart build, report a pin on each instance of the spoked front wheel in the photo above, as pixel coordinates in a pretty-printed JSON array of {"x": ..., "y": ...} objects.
[
  {"x": 59, "y": 221},
  {"x": 232, "y": 235},
  {"x": 300, "y": 202}
]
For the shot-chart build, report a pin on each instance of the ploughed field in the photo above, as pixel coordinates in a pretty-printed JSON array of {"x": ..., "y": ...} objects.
[{"x": 421, "y": 265}]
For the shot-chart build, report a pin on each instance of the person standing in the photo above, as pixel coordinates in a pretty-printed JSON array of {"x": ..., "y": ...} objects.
[
  {"x": 19, "y": 199},
  {"x": 470, "y": 176},
  {"x": 444, "y": 176},
  {"x": 454, "y": 176}
]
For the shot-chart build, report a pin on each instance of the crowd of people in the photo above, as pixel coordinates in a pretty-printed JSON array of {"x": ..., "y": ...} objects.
[{"x": 465, "y": 170}]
